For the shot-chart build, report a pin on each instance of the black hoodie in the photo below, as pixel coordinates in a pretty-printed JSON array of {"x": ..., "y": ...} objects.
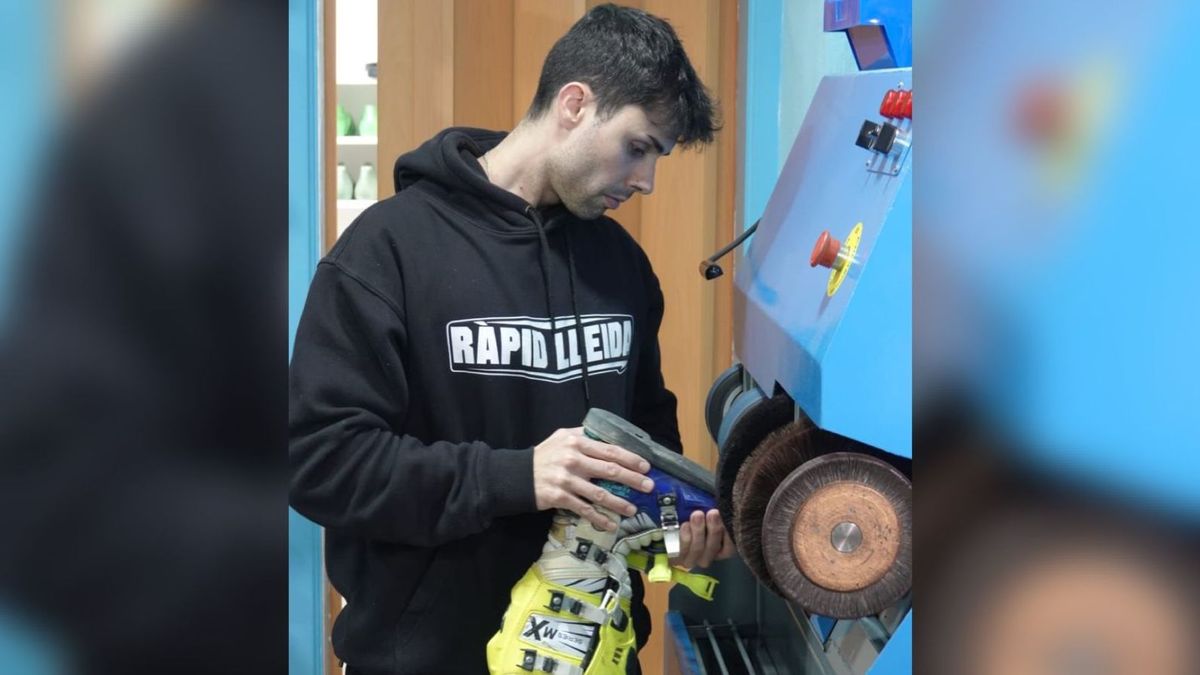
[{"x": 439, "y": 344}]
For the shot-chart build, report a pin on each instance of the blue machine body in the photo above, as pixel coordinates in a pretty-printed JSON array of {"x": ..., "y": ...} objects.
[
  {"x": 842, "y": 351},
  {"x": 845, "y": 359},
  {"x": 880, "y": 31}
]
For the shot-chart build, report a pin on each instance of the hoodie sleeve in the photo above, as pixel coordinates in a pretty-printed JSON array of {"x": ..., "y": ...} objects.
[
  {"x": 351, "y": 468},
  {"x": 653, "y": 403}
]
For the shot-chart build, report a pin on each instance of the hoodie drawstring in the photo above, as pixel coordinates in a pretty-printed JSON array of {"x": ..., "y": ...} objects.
[
  {"x": 543, "y": 253},
  {"x": 587, "y": 394}
]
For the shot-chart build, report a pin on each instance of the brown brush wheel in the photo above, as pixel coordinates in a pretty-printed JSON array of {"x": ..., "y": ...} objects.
[
  {"x": 739, "y": 483},
  {"x": 780, "y": 452},
  {"x": 761, "y": 473},
  {"x": 838, "y": 535},
  {"x": 747, "y": 432}
]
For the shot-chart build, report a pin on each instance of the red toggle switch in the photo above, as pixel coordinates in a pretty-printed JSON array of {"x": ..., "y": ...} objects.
[
  {"x": 906, "y": 105},
  {"x": 888, "y": 107},
  {"x": 825, "y": 251}
]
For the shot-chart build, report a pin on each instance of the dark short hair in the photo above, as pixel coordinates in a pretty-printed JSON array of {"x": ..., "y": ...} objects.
[{"x": 630, "y": 57}]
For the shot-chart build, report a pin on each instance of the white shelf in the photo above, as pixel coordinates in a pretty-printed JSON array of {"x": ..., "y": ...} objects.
[
  {"x": 365, "y": 82},
  {"x": 358, "y": 140}
]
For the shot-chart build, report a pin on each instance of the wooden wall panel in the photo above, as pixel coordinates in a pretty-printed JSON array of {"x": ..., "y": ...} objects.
[
  {"x": 416, "y": 78},
  {"x": 537, "y": 25},
  {"x": 640, "y": 4},
  {"x": 483, "y": 57},
  {"x": 328, "y": 124},
  {"x": 629, "y": 215},
  {"x": 725, "y": 88}
]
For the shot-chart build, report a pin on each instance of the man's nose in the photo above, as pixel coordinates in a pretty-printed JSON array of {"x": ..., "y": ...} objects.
[{"x": 643, "y": 180}]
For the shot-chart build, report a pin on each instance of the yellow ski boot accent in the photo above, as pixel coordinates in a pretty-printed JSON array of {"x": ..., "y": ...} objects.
[
  {"x": 549, "y": 627},
  {"x": 701, "y": 585},
  {"x": 661, "y": 572}
]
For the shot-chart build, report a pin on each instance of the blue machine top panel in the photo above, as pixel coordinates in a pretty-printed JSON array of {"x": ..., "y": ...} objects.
[
  {"x": 895, "y": 18},
  {"x": 847, "y": 358}
]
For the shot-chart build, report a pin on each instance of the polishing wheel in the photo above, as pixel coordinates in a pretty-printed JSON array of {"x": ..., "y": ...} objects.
[
  {"x": 763, "y": 471},
  {"x": 837, "y": 535},
  {"x": 753, "y": 424},
  {"x": 780, "y": 452}
]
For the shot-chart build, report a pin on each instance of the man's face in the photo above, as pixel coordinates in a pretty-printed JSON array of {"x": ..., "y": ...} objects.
[{"x": 606, "y": 160}]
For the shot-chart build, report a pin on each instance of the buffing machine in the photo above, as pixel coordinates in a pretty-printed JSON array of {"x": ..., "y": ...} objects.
[{"x": 813, "y": 421}]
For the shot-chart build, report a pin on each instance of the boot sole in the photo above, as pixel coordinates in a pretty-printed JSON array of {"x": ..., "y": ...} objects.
[{"x": 604, "y": 426}]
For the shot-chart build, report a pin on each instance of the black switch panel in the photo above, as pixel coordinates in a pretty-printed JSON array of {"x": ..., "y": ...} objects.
[
  {"x": 867, "y": 135},
  {"x": 877, "y": 137},
  {"x": 887, "y": 138}
]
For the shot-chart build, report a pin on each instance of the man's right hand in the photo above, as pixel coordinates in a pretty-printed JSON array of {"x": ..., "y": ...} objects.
[{"x": 564, "y": 466}]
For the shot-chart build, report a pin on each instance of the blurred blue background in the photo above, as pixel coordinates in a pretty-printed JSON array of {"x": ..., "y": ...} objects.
[{"x": 26, "y": 69}]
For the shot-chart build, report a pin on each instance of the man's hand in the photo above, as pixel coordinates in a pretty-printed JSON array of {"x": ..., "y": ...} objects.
[
  {"x": 564, "y": 466},
  {"x": 702, "y": 540}
]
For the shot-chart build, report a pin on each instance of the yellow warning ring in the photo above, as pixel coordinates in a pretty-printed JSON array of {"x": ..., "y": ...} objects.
[{"x": 838, "y": 274}]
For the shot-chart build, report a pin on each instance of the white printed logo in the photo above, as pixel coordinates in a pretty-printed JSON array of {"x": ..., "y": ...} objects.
[
  {"x": 573, "y": 638},
  {"x": 522, "y": 346}
]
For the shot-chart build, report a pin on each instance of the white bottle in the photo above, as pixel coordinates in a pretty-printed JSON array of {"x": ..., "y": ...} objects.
[
  {"x": 365, "y": 188},
  {"x": 345, "y": 186},
  {"x": 368, "y": 123}
]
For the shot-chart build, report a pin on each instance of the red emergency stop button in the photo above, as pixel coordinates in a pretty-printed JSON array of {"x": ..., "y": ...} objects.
[
  {"x": 825, "y": 251},
  {"x": 897, "y": 103},
  {"x": 888, "y": 107}
]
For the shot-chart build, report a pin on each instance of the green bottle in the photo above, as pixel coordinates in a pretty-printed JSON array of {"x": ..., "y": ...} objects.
[{"x": 345, "y": 123}]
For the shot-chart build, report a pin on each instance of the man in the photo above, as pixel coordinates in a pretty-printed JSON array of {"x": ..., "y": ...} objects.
[{"x": 458, "y": 332}]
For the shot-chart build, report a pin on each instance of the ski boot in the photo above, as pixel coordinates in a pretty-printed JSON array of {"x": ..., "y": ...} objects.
[{"x": 570, "y": 613}]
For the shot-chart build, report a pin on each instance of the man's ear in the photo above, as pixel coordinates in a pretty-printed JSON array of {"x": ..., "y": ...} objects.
[{"x": 573, "y": 103}]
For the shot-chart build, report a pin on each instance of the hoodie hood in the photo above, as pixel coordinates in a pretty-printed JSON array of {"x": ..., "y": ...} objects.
[{"x": 451, "y": 159}]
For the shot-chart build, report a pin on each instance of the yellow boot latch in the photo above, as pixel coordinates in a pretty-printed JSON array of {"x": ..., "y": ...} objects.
[
  {"x": 661, "y": 572},
  {"x": 701, "y": 585}
]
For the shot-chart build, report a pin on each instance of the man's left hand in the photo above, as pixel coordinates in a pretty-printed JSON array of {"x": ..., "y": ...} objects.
[{"x": 703, "y": 540}]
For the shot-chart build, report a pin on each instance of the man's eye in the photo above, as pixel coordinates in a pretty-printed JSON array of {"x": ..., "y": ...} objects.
[{"x": 637, "y": 151}]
